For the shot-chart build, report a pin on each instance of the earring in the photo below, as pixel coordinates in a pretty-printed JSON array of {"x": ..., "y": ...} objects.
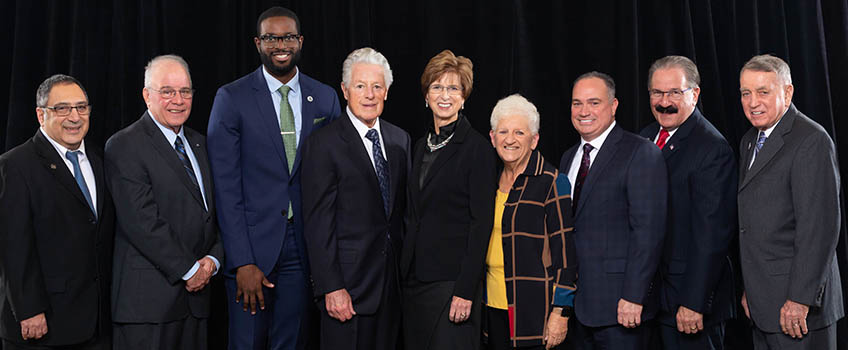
[
  {"x": 463, "y": 106},
  {"x": 426, "y": 104}
]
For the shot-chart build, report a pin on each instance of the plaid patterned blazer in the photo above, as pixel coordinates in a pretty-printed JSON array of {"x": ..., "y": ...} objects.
[{"x": 540, "y": 263}]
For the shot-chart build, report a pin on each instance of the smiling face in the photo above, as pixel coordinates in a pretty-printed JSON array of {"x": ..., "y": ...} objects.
[
  {"x": 447, "y": 101},
  {"x": 279, "y": 58},
  {"x": 513, "y": 139},
  {"x": 764, "y": 97},
  {"x": 170, "y": 112},
  {"x": 68, "y": 130},
  {"x": 591, "y": 110},
  {"x": 670, "y": 112},
  {"x": 366, "y": 93}
]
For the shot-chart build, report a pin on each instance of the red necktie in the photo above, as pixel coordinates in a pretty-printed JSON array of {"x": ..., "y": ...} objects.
[{"x": 662, "y": 138}]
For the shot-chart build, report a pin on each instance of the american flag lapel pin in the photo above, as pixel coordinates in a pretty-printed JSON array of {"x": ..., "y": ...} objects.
[{"x": 309, "y": 98}]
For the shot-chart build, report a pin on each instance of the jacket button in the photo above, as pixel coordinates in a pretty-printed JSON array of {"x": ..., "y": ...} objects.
[
  {"x": 741, "y": 231},
  {"x": 284, "y": 212}
]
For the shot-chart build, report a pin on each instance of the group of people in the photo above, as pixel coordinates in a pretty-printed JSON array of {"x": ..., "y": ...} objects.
[{"x": 456, "y": 241}]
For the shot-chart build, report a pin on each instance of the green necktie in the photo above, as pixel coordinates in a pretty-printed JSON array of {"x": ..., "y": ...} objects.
[{"x": 288, "y": 131}]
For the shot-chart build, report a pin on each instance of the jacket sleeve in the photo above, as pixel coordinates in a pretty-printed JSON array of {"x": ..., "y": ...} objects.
[{"x": 559, "y": 229}]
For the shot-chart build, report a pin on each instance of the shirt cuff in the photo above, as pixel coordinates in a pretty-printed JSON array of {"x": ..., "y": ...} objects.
[
  {"x": 191, "y": 271},
  {"x": 217, "y": 264}
]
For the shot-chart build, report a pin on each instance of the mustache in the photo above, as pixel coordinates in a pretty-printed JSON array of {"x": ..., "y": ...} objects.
[{"x": 666, "y": 110}]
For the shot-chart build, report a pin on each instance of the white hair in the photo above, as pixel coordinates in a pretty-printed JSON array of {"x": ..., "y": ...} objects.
[
  {"x": 369, "y": 56},
  {"x": 516, "y": 104},
  {"x": 148, "y": 69}
]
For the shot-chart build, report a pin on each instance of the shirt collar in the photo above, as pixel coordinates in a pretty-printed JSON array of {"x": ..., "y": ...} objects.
[
  {"x": 61, "y": 149},
  {"x": 274, "y": 84},
  {"x": 169, "y": 134},
  {"x": 361, "y": 128},
  {"x": 598, "y": 141}
]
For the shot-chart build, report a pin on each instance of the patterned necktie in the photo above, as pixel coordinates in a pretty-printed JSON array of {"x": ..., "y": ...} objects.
[
  {"x": 181, "y": 152},
  {"x": 761, "y": 139},
  {"x": 581, "y": 175},
  {"x": 287, "y": 126},
  {"x": 381, "y": 166},
  {"x": 74, "y": 158},
  {"x": 662, "y": 138}
]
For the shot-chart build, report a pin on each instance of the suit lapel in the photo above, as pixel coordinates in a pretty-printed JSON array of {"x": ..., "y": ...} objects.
[
  {"x": 199, "y": 149},
  {"x": 169, "y": 155},
  {"x": 360, "y": 158},
  {"x": 268, "y": 116},
  {"x": 99, "y": 179},
  {"x": 307, "y": 116},
  {"x": 395, "y": 161},
  {"x": 605, "y": 154},
  {"x": 56, "y": 166},
  {"x": 770, "y": 148},
  {"x": 446, "y": 153},
  {"x": 678, "y": 140}
]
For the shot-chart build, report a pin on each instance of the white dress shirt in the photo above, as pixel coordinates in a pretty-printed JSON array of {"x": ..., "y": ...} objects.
[
  {"x": 362, "y": 129},
  {"x": 85, "y": 165},
  {"x": 578, "y": 156}
]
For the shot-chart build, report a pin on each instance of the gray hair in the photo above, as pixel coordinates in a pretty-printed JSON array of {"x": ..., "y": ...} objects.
[
  {"x": 148, "y": 69},
  {"x": 43, "y": 92},
  {"x": 769, "y": 63},
  {"x": 516, "y": 104},
  {"x": 693, "y": 78},
  {"x": 604, "y": 77},
  {"x": 369, "y": 56}
]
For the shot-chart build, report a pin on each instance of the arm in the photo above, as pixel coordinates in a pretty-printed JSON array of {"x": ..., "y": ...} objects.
[{"x": 559, "y": 228}]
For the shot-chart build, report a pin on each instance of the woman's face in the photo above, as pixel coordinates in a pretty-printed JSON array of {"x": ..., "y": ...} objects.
[
  {"x": 445, "y": 97},
  {"x": 513, "y": 140}
]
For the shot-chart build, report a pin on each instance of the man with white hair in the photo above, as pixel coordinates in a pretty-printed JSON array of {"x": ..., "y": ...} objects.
[{"x": 354, "y": 181}]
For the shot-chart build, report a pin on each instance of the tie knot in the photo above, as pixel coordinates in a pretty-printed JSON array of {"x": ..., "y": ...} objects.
[
  {"x": 178, "y": 142},
  {"x": 284, "y": 90},
  {"x": 587, "y": 148},
  {"x": 762, "y": 137},
  {"x": 372, "y": 135},
  {"x": 72, "y": 156}
]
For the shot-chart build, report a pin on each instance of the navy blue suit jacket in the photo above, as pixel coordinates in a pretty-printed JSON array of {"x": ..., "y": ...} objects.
[
  {"x": 619, "y": 226},
  {"x": 695, "y": 267},
  {"x": 252, "y": 181}
]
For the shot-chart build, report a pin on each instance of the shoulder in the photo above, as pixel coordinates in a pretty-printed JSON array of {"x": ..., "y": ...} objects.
[
  {"x": 246, "y": 81},
  {"x": 127, "y": 137},
  {"x": 21, "y": 154},
  {"x": 315, "y": 85}
]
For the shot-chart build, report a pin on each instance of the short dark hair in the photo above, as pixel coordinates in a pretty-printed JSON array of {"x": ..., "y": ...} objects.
[
  {"x": 604, "y": 77},
  {"x": 43, "y": 92},
  {"x": 276, "y": 11}
]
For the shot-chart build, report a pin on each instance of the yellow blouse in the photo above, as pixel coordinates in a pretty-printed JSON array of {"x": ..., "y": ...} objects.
[{"x": 495, "y": 282}]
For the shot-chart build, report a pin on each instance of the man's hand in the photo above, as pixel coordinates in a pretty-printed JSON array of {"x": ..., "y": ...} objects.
[
  {"x": 250, "y": 280},
  {"x": 556, "y": 329},
  {"x": 460, "y": 309},
  {"x": 689, "y": 321},
  {"x": 339, "y": 305},
  {"x": 629, "y": 314},
  {"x": 793, "y": 319},
  {"x": 34, "y": 327},
  {"x": 745, "y": 304},
  {"x": 202, "y": 276}
]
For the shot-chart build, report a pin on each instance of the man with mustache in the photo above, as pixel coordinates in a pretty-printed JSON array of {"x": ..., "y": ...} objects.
[
  {"x": 696, "y": 289},
  {"x": 257, "y": 126},
  {"x": 56, "y": 229}
]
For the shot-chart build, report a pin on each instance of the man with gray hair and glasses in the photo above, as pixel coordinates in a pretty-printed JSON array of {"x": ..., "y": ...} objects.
[
  {"x": 789, "y": 215},
  {"x": 56, "y": 229}
]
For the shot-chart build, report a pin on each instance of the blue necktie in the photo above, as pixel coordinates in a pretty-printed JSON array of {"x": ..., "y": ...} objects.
[
  {"x": 181, "y": 152},
  {"x": 381, "y": 166},
  {"x": 760, "y": 141},
  {"x": 74, "y": 158}
]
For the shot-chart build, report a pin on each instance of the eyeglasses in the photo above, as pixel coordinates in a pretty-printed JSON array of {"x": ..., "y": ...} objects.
[
  {"x": 185, "y": 93},
  {"x": 437, "y": 89},
  {"x": 673, "y": 94},
  {"x": 270, "y": 40},
  {"x": 64, "y": 110}
]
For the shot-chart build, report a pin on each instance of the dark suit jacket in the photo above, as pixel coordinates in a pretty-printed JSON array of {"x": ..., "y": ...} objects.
[
  {"x": 451, "y": 216},
  {"x": 252, "y": 182},
  {"x": 347, "y": 231},
  {"x": 55, "y": 256},
  {"x": 789, "y": 221},
  {"x": 695, "y": 267},
  {"x": 163, "y": 227},
  {"x": 619, "y": 227}
]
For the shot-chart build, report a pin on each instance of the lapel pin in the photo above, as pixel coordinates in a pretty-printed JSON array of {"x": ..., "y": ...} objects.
[
  {"x": 309, "y": 98},
  {"x": 671, "y": 147},
  {"x": 749, "y": 145},
  {"x": 53, "y": 166}
]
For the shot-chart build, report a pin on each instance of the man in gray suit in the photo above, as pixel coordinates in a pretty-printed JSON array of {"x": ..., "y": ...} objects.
[{"x": 788, "y": 215}]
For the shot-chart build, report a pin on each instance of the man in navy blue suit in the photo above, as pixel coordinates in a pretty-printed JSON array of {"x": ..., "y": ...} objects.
[
  {"x": 696, "y": 293},
  {"x": 257, "y": 126},
  {"x": 619, "y": 195}
]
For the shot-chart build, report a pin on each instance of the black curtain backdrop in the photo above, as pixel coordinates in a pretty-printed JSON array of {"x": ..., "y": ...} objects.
[{"x": 535, "y": 48}]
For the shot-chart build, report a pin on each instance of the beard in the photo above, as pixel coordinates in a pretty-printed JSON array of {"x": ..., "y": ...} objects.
[
  {"x": 666, "y": 110},
  {"x": 276, "y": 70}
]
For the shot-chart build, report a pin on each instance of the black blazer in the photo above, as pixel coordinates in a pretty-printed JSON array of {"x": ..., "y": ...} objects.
[
  {"x": 695, "y": 267},
  {"x": 55, "y": 256},
  {"x": 163, "y": 228},
  {"x": 346, "y": 228},
  {"x": 451, "y": 216}
]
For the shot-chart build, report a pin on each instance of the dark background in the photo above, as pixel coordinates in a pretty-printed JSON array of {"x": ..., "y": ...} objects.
[{"x": 535, "y": 48}]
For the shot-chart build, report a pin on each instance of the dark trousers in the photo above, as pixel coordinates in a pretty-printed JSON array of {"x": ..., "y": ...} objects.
[
  {"x": 615, "y": 337},
  {"x": 711, "y": 338},
  {"x": 819, "y": 339},
  {"x": 284, "y": 322},
  {"x": 101, "y": 343},
  {"x": 187, "y": 334},
  {"x": 426, "y": 323},
  {"x": 498, "y": 329}
]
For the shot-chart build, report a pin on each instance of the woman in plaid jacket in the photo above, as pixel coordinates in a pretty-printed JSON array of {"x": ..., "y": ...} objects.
[{"x": 531, "y": 260}]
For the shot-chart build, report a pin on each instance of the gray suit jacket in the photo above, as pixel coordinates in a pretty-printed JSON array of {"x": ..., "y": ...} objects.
[{"x": 789, "y": 222}]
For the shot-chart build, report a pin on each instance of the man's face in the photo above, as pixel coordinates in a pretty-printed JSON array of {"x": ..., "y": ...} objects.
[
  {"x": 366, "y": 93},
  {"x": 672, "y": 101},
  {"x": 764, "y": 97},
  {"x": 170, "y": 112},
  {"x": 591, "y": 110},
  {"x": 68, "y": 130},
  {"x": 279, "y": 57}
]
